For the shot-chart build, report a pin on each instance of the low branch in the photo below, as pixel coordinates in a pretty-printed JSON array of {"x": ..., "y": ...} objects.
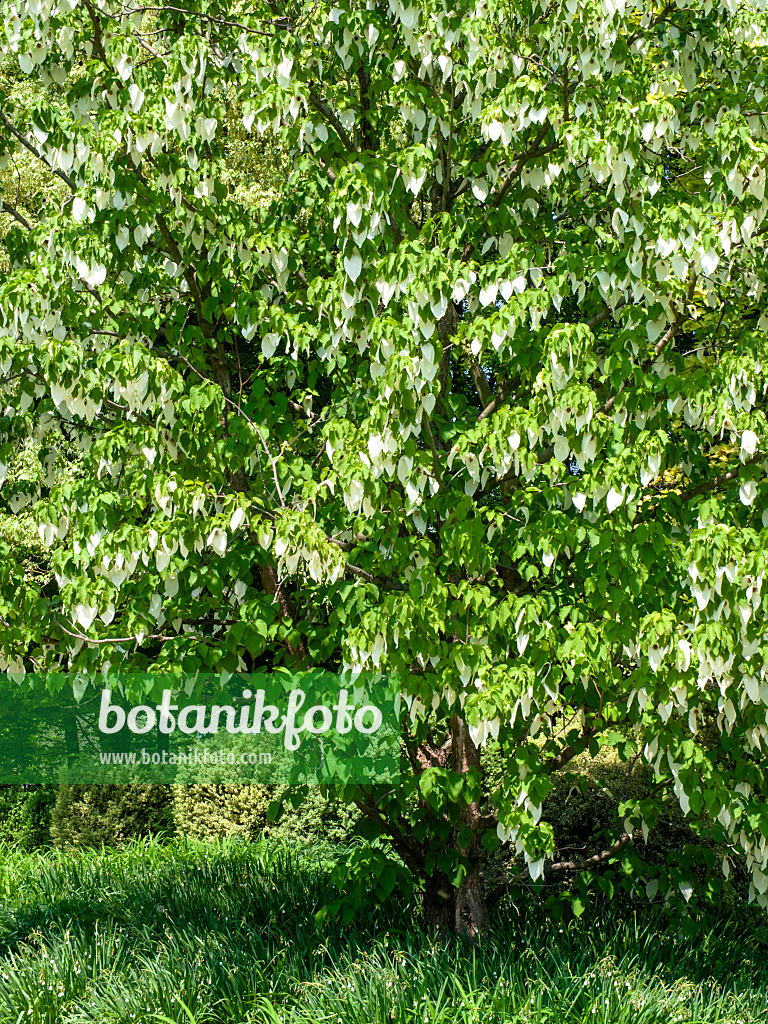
[
  {"x": 588, "y": 862},
  {"x": 564, "y": 865},
  {"x": 406, "y": 849}
]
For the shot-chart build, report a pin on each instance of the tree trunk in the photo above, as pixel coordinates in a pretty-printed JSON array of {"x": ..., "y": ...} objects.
[
  {"x": 438, "y": 905},
  {"x": 458, "y": 909},
  {"x": 470, "y": 912}
]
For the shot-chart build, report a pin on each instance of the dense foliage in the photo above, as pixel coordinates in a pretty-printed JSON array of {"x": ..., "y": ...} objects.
[{"x": 478, "y": 396}]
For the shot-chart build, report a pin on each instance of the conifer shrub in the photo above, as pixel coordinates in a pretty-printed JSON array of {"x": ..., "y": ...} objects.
[{"x": 109, "y": 815}]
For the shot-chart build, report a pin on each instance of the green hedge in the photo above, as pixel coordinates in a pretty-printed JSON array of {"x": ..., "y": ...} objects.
[
  {"x": 112, "y": 815},
  {"x": 25, "y": 816},
  {"x": 109, "y": 815}
]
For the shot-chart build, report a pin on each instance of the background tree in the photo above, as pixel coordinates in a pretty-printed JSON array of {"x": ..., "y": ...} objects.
[{"x": 478, "y": 397}]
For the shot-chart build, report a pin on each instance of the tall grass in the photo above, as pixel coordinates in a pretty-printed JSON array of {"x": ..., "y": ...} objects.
[{"x": 211, "y": 934}]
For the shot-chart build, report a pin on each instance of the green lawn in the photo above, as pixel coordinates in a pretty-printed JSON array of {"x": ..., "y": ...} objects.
[{"x": 199, "y": 933}]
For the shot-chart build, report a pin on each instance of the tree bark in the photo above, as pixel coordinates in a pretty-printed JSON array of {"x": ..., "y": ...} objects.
[
  {"x": 446, "y": 908},
  {"x": 438, "y": 905},
  {"x": 470, "y": 913}
]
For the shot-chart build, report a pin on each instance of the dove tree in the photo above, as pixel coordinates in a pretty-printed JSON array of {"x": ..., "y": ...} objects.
[{"x": 476, "y": 397}]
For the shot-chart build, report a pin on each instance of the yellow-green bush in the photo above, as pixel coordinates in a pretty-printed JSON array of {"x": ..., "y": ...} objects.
[
  {"x": 316, "y": 820},
  {"x": 214, "y": 811}
]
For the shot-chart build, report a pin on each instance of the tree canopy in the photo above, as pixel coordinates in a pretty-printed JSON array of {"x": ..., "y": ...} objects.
[{"x": 475, "y": 393}]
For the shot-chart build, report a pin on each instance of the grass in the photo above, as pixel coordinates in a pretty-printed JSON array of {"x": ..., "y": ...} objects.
[{"x": 205, "y": 934}]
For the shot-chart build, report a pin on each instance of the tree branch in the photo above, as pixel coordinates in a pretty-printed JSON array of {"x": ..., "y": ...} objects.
[
  {"x": 588, "y": 862},
  {"x": 35, "y": 151},
  {"x": 568, "y": 753},
  {"x": 719, "y": 481},
  {"x": 481, "y": 383},
  {"x": 328, "y": 113},
  {"x": 7, "y": 208},
  {"x": 534, "y": 151},
  {"x": 564, "y": 865},
  {"x": 406, "y": 849}
]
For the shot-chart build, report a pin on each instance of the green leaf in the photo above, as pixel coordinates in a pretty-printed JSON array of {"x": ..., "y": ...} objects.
[{"x": 578, "y": 905}]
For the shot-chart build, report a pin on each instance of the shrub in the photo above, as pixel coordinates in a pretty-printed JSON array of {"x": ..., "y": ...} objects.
[
  {"x": 212, "y": 811},
  {"x": 215, "y": 811},
  {"x": 317, "y": 821},
  {"x": 25, "y": 816},
  {"x": 109, "y": 815}
]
